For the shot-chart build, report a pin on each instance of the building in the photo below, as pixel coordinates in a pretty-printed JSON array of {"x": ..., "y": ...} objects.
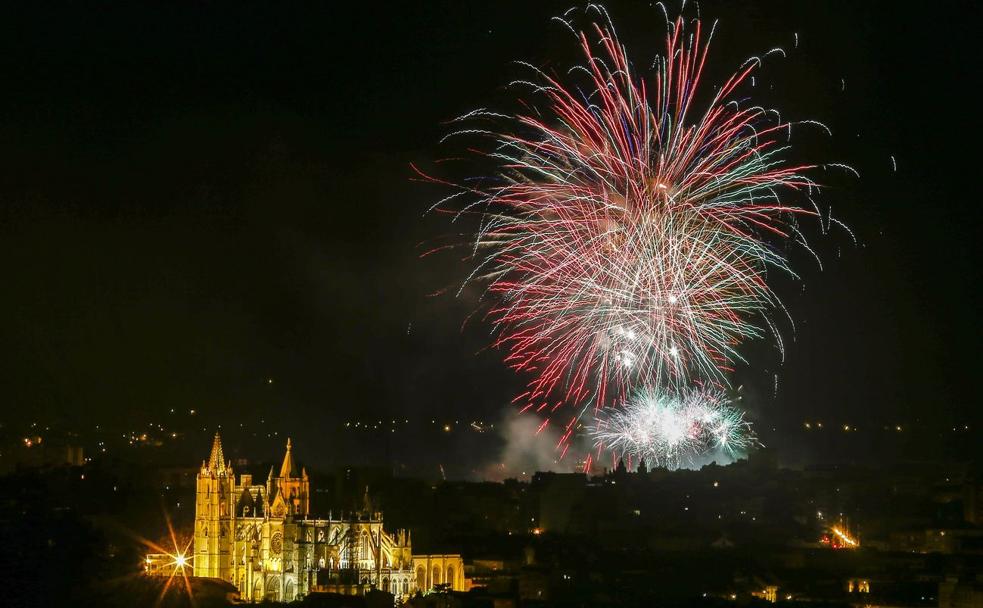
[
  {"x": 439, "y": 570},
  {"x": 263, "y": 539},
  {"x": 956, "y": 592}
]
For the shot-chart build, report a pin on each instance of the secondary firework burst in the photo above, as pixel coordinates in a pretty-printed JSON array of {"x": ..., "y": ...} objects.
[
  {"x": 673, "y": 429},
  {"x": 629, "y": 229}
]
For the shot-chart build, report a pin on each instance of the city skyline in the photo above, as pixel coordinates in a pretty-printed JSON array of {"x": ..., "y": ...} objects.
[{"x": 207, "y": 240}]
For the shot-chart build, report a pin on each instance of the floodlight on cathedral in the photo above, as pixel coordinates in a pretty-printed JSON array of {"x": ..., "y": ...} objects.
[{"x": 262, "y": 538}]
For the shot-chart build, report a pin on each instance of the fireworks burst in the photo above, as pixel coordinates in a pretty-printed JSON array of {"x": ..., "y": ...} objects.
[
  {"x": 674, "y": 429},
  {"x": 630, "y": 224}
]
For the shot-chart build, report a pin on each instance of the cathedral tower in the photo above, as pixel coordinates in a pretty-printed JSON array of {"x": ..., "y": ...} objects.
[
  {"x": 292, "y": 489},
  {"x": 213, "y": 515}
]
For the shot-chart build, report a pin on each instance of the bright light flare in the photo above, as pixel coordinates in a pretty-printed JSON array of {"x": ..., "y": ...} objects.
[
  {"x": 845, "y": 539},
  {"x": 174, "y": 562}
]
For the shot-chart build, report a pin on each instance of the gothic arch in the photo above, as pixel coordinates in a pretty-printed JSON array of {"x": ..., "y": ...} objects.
[
  {"x": 421, "y": 578},
  {"x": 273, "y": 588},
  {"x": 364, "y": 544},
  {"x": 450, "y": 576},
  {"x": 436, "y": 575}
]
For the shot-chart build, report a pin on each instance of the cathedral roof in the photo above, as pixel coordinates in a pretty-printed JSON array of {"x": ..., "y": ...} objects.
[
  {"x": 246, "y": 500},
  {"x": 288, "y": 469},
  {"x": 260, "y": 504},
  {"x": 216, "y": 462}
]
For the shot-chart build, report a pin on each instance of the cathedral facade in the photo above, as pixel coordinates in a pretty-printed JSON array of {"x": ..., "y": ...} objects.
[{"x": 262, "y": 538}]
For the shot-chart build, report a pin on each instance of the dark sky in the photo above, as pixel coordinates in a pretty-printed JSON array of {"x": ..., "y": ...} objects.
[{"x": 197, "y": 197}]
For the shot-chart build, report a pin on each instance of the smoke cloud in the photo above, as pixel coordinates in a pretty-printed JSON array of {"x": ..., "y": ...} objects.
[{"x": 525, "y": 451}]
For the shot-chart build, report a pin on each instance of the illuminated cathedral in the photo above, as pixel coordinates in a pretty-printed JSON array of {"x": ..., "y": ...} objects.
[{"x": 261, "y": 538}]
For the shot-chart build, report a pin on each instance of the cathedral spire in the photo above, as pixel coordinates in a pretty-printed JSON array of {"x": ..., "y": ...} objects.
[
  {"x": 367, "y": 502},
  {"x": 287, "y": 469},
  {"x": 216, "y": 462}
]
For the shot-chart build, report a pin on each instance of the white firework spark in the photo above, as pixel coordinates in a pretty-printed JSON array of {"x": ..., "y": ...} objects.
[{"x": 672, "y": 429}]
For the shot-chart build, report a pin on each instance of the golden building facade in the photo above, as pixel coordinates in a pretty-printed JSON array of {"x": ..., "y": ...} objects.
[{"x": 262, "y": 539}]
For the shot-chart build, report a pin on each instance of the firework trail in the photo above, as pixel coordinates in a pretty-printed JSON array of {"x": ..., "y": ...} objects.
[
  {"x": 628, "y": 229},
  {"x": 674, "y": 429}
]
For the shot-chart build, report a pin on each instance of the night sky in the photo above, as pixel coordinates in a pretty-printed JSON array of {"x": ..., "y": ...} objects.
[{"x": 198, "y": 198}]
